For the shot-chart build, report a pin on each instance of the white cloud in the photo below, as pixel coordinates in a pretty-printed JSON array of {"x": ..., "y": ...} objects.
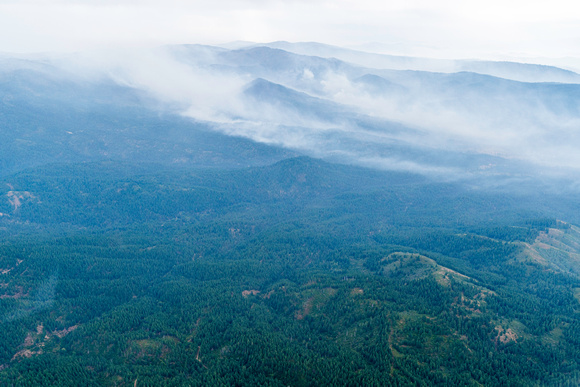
[{"x": 444, "y": 28}]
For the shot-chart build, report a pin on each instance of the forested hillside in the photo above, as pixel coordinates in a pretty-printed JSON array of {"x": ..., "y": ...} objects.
[{"x": 298, "y": 273}]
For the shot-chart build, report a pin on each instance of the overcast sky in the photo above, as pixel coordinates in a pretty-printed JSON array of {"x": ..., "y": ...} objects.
[{"x": 444, "y": 28}]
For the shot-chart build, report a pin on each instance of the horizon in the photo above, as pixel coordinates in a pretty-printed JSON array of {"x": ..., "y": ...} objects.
[{"x": 518, "y": 31}]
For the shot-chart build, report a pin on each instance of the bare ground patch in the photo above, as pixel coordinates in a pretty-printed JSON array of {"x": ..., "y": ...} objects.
[
  {"x": 505, "y": 336},
  {"x": 356, "y": 291},
  {"x": 64, "y": 332},
  {"x": 19, "y": 293},
  {"x": 253, "y": 292},
  {"x": 306, "y": 309}
]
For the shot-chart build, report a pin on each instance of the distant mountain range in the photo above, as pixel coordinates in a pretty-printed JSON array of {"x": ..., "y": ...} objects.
[{"x": 445, "y": 118}]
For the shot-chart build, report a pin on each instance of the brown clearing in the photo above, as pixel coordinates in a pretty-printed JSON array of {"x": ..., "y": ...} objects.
[
  {"x": 305, "y": 310},
  {"x": 19, "y": 294},
  {"x": 506, "y": 336},
  {"x": 26, "y": 353},
  {"x": 15, "y": 198},
  {"x": 543, "y": 246},
  {"x": 29, "y": 340},
  {"x": 246, "y": 293},
  {"x": 65, "y": 332}
]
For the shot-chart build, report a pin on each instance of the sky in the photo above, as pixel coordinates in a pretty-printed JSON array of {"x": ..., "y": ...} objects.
[{"x": 491, "y": 29}]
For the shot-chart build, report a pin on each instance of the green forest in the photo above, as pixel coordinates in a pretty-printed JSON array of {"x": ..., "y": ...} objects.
[{"x": 299, "y": 273}]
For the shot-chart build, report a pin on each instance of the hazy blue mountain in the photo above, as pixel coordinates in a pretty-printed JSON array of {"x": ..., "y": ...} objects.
[
  {"x": 46, "y": 118},
  {"x": 368, "y": 137},
  {"x": 439, "y": 104},
  {"x": 360, "y": 58},
  {"x": 388, "y": 119},
  {"x": 298, "y": 103},
  {"x": 378, "y": 85},
  {"x": 524, "y": 72},
  {"x": 394, "y": 119},
  {"x": 279, "y": 66}
]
